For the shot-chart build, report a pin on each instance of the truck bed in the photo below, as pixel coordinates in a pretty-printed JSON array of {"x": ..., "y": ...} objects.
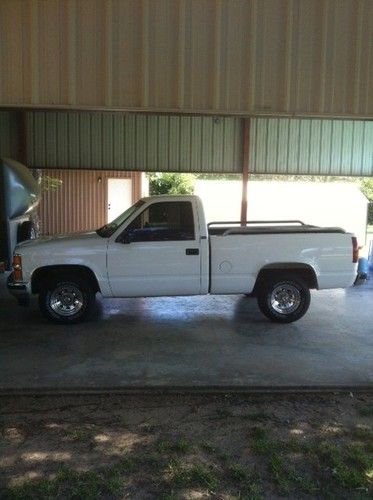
[{"x": 236, "y": 261}]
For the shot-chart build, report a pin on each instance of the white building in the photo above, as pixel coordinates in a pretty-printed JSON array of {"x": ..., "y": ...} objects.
[{"x": 339, "y": 204}]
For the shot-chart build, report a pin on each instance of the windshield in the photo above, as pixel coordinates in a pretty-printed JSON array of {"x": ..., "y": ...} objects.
[{"x": 110, "y": 228}]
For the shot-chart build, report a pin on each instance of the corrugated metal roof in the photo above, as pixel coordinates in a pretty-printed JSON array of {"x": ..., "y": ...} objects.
[
  {"x": 135, "y": 142},
  {"x": 296, "y": 57},
  {"x": 311, "y": 147}
]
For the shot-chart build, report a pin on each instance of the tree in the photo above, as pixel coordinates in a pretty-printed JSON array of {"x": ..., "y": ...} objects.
[
  {"x": 366, "y": 187},
  {"x": 48, "y": 183},
  {"x": 171, "y": 183}
]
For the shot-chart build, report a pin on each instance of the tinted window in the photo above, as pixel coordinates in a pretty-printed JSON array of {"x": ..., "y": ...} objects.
[
  {"x": 165, "y": 221},
  {"x": 111, "y": 227}
]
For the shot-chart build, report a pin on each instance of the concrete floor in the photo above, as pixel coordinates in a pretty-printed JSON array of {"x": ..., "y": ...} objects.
[{"x": 190, "y": 341}]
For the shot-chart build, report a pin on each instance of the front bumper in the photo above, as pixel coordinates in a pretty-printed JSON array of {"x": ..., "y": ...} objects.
[{"x": 19, "y": 290}]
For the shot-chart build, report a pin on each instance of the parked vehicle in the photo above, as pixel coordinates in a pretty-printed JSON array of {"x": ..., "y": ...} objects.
[
  {"x": 19, "y": 196},
  {"x": 162, "y": 246}
]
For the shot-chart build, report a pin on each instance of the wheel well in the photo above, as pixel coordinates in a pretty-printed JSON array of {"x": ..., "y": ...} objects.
[
  {"x": 43, "y": 273},
  {"x": 305, "y": 272}
]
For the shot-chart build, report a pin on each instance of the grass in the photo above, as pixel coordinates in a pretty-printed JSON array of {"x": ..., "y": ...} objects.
[
  {"x": 366, "y": 411},
  {"x": 245, "y": 481},
  {"x": 297, "y": 445},
  {"x": 260, "y": 442},
  {"x": 237, "y": 473},
  {"x": 180, "y": 445},
  {"x": 259, "y": 416},
  {"x": 78, "y": 435},
  {"x": 363, "y": 432},
  {"x": 224, "y": 457},
  {"x": 224, "y": 412},
  {"x": 147, "y": 427},
  {"x": 68, "y": 484},
  {"x": 287, "y": 478},
  {"x": 329, "y": 459},
  {"x": 208, "y": 448},
  {"x": 182, "y": 476},
  {"x": 349, "y": 466},
  {"x": 41, "y": 488},
  {"x": 174, "y": 466}
]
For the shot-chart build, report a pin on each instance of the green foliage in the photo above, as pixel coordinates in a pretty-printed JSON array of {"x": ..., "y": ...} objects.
[
  {"x": 171, "y": 183},
  {"x": 48, "y": 183},
  {"x": 219, "y": 177},
  {"x": 366, "y": 186},
  {"x": 370, "y": 213}
]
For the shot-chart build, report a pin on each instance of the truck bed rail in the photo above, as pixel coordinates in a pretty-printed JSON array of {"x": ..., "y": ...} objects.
[{"x": 267, "y": 227}]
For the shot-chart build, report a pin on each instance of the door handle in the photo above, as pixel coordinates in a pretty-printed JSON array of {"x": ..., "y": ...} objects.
[{"x": 192, "y": 251}]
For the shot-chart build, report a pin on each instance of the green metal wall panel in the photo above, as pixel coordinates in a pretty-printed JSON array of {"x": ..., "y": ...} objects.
[
  {"x": 8, "y": 135},
  {"x": 311, "y": 147},
  {"x": 196, "y": 144},
  {"x": 134, "y": 142}
]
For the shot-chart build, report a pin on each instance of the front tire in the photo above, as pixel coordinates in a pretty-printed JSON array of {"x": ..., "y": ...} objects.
[
  {"x": 283, "y": 298},
  {"x": 66, "y": 299}
]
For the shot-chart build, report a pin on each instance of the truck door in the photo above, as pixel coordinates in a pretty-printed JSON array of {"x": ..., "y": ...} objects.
[{"x": 158, "y": 253}]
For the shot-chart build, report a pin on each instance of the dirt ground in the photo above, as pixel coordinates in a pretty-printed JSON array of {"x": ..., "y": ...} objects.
[{"x": 187, "y": 446}]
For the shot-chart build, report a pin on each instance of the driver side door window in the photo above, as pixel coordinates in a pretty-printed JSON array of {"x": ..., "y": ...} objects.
[{"x": 167, "y": 221}]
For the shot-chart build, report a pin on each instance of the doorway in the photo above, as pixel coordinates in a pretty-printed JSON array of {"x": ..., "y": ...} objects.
[{"x": 119, "y": 197}]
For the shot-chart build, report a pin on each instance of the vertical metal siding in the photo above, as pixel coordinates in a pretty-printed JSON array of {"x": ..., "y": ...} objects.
[
  {"x": 80, "y": 203},
  {"x": 134, "y": 142},
  {"x": 199, "y": 144},
  {"x": 311, "y": 147},
  {"x": 299, "y": 57},
  {"x": 8, "y": 135}
]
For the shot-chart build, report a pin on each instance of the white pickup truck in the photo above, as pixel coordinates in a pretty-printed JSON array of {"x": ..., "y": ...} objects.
[{"x": 162, "y": 246}]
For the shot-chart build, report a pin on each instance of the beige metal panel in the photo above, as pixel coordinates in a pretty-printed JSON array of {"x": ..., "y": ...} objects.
[
  {"x": 12, "y": 48},
  {"x": 80, "y": 204},
  {"x": 277, "y": 57},
  {"x": 134, "y": 142},
  {"x": 91, "y": 71},
  {"x": 311, "y": 147}
]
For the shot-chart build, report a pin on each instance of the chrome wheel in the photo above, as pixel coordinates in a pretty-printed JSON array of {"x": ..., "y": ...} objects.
[
  {"x": 285, "y": 298},
  {"x": 66, "y": 299}
]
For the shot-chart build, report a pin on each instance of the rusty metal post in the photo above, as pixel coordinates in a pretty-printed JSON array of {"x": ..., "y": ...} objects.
[{"x": 245, "y": 168}]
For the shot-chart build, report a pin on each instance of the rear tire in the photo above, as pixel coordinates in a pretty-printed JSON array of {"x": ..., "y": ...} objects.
[
  {"x": 66, "y": 299},
  {"x": 283, "y": 298}
]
